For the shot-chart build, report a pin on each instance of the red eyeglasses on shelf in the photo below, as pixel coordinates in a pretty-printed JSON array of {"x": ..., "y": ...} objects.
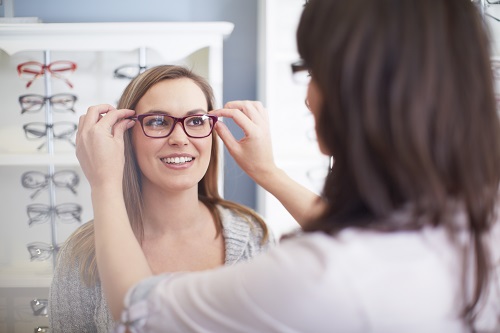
[{"x": 32, "y": 70}]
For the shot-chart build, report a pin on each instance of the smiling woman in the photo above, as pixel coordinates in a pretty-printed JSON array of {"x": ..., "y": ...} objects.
[{"x": 169, "y": 185}]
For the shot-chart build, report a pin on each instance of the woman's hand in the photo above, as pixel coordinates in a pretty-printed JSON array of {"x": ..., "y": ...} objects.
[
  {"x": 254, "y": 155},
  {"x": 253, "y": 152},
  {"x": 100, "y": 150},
  {"x": 99, "y": 144}
]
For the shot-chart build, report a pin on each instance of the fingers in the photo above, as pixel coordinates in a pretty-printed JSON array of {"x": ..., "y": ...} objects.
[
  {"x": 226, "y": 136},
  {"x": 249, "y": 128},
  {"x": 94, "y": 113},
  {"x": 105, "y": 116},
  {"x": 122, "y": 126},
  {"x": 252, "y": 109},
  {"x": 248, "y": 115},
  {"x": 239, "y": 118}
]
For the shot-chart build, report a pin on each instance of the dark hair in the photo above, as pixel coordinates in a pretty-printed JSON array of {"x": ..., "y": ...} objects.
[{"x": 408, "y": 114}]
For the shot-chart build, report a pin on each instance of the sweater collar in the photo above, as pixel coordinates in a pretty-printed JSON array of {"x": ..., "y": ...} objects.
[{"x": 236, "y": 233}]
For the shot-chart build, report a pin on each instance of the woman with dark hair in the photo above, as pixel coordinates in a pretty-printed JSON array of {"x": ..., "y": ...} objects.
[
  {"x": 405, "y": 236},
  {"x": 170, "y": 196}
]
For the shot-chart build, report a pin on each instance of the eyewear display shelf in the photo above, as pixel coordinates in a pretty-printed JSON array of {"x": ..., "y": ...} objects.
[{"x": 97, "y": 49}]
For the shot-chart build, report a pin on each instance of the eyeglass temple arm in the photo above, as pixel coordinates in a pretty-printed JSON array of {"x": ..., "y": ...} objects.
[
  {"x": 33, "y": 196},
  {"x": 71, "y": 188},
  {"x": 55, "y": 74}
]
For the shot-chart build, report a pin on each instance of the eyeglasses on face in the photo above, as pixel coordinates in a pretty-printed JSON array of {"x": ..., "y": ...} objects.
[
  {"x": 32, "y": 70},
  {"x": 129, "y": 71},
  {"x": 67, "y": 212},
  {"x": 39, "y": 181},
  {"x": 300, "y": 72},
  {"x": 62, "y": 130},
  {"x": 157, "y": 125},
  {"x": 59, "y": 102}
]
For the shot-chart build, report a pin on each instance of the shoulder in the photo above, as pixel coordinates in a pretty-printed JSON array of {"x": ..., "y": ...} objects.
[
  {"x": 243, "y": 235},
  {"x": 359, "y": 249},
  {"x": 395, "y": 264},
  {"x": 362, "y": 268}
]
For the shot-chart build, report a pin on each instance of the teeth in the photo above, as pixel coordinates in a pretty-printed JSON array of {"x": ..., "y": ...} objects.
[{"x": 177, "y": 160}]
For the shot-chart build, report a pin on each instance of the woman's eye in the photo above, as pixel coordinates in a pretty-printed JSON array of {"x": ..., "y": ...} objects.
[
  {"x": 196, "y": 121},
  {"x": 156, "y": 122}
]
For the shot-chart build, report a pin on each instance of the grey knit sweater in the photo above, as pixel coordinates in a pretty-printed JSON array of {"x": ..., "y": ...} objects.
[{"x": 74, "y": 307}]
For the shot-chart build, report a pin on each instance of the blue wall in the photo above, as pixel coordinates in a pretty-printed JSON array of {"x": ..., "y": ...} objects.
[{"x": 240, "y": 49}]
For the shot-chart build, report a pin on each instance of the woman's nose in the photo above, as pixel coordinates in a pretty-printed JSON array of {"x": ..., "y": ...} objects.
[{"x": 178, "y": 136}]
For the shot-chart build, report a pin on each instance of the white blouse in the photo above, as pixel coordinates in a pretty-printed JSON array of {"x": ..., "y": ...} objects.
[{"x": 358, "y": 281}]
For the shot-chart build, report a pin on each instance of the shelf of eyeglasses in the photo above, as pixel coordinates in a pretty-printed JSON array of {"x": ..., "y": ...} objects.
[{"x": 14, "y": 159}]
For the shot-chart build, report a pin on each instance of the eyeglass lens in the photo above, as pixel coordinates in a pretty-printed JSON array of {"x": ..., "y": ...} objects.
[
  {"x": 59, "y": 102},
  {"x": 67, "y": 212},
  {"x": 160, "y": 126},
  {"x": 39, "y": 181}
]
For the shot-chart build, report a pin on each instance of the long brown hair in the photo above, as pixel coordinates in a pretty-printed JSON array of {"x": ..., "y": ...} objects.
[
  {"x": 82, "y": 240},
  {"x": 408, "y": 114}
]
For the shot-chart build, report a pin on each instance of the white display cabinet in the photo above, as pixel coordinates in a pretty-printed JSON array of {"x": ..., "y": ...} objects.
[
  {"x": 292, "y": 125},
  {"x": 97, "y": 49}
]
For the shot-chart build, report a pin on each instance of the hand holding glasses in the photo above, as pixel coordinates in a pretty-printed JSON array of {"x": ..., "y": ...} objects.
[
  {"x": 158, "y": 125},
  {"x": 32, "y": 70}
]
